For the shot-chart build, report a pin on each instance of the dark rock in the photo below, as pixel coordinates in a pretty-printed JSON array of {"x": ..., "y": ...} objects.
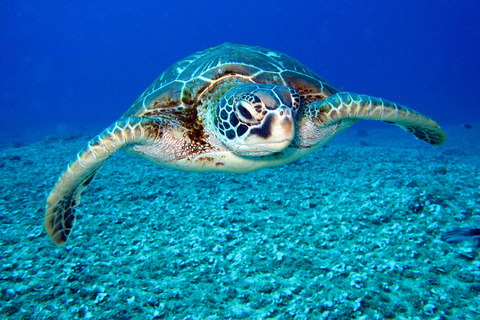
[
  {"x": 364, "y": 144},
  {"x": 50, "y": 139},
  {"x": 14, "y": 158},
  {"x": 69, "y": 137},
  {"x": 440, "y": 170}
]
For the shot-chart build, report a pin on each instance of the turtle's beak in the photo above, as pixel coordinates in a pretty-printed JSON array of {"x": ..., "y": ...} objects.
[{"x": 275, "y": 134}]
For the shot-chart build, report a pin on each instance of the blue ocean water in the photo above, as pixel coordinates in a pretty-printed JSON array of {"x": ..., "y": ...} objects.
[
  {"x": 71, "y": 67},
  {"x": 353, "y": 231}
]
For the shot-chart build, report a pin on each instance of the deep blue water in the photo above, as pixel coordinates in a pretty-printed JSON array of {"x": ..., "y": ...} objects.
[{"x": 76, "y": 66}]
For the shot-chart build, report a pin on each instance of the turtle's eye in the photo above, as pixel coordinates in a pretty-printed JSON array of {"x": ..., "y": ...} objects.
[{"x": 244, "y": 111}]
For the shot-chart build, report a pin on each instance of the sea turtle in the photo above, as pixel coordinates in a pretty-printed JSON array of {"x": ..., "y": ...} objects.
[{"x": 232, "y": 108}]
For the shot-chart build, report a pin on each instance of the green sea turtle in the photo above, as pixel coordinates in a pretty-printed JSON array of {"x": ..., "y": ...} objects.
[{"x": 231, "y": 108}]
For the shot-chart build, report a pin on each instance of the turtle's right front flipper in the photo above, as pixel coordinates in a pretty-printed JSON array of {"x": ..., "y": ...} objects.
[{"x": 65, "y": 196}]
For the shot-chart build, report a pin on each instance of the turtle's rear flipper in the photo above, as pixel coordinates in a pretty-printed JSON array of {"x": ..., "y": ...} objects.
[
  {"x": 345, "y": 105},
  {"x": 65, "y": 196}
]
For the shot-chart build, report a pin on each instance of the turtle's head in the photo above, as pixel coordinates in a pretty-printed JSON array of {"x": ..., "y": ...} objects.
[{"x": 257, "y": 119}]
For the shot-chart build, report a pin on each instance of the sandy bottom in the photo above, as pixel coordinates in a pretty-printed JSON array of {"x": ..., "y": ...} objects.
[{"x": 351, "y": 232}]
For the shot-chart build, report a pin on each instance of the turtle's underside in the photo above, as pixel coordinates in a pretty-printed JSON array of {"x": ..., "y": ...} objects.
[{"x": 231, "y": 108}]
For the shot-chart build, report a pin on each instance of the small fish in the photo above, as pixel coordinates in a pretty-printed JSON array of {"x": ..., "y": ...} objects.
[{"x": 462, "y": 234}]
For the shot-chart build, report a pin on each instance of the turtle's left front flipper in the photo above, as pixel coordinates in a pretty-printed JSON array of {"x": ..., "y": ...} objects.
[
  {"x": 65, "y": 196},
  {"x": 342, "y": 109}
]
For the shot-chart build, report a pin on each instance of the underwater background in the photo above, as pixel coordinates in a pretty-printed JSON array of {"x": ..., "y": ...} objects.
[
  {"x": 353, "y": 231},
  {"x": 77, "y": 66}
]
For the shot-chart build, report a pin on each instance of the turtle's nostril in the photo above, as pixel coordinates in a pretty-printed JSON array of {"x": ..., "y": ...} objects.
[{"x": 284, "y": 112}]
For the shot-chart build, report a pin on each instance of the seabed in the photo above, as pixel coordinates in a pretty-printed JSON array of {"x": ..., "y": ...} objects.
[{"x": 351, "y": 232}]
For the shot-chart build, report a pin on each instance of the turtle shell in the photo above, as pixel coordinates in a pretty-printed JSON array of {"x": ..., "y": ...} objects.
[{"x": 206, "y": 75}]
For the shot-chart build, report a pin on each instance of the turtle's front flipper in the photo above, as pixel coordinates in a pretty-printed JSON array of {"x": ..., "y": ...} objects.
[
  {"x": 350, "y": 107},
  {"x": 65, "y": 196}
]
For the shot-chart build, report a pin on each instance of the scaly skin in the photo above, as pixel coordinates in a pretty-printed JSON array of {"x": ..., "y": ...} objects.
[
  {"x": 65, "y": 196},
  {"x": 351, "y": 107}
]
